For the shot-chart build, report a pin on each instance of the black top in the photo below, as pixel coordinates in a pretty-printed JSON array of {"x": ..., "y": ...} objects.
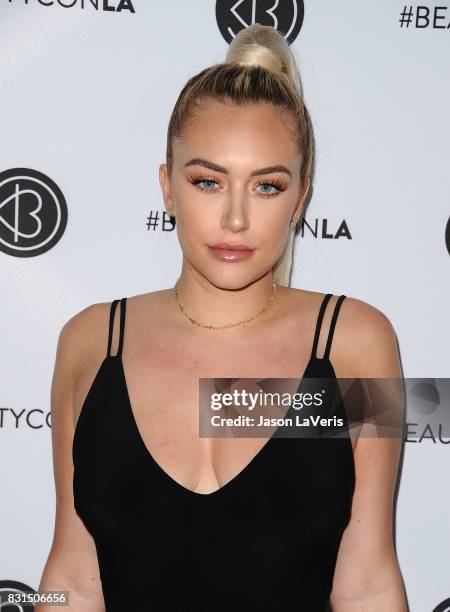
[{"x": 265, "y": 541}]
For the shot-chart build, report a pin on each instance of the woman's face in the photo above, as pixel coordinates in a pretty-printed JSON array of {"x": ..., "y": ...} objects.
[{"x": 235, "y": 179}]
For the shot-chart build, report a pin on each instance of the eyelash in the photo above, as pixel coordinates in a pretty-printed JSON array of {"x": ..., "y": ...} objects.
[{"x": 195, "y": 180}]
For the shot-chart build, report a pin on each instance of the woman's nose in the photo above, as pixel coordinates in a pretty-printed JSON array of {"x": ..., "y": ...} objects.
[{"x": 235, "y": 217}]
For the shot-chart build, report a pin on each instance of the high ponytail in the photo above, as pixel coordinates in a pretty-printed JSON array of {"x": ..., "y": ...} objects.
[
  {"x": 259, "y": 67},
  {"x": 264, "y": 46}
]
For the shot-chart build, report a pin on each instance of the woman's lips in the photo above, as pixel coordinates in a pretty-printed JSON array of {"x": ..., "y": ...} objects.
[{"x": 231, "y": 254}]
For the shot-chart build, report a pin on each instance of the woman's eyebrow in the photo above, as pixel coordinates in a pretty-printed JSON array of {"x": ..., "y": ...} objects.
[{"x": 197, "y": 161}]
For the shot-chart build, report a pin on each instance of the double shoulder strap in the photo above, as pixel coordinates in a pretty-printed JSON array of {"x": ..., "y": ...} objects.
[
  {"x": 323, "y": 306},
  {"x": 123, "y": 304}
]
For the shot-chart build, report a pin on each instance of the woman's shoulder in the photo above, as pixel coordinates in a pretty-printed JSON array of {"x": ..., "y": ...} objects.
[
  {"x": 83, "y": 343},
  {"x": 370, "y": 340},
  {"x": 364, "y": 338},
  {"x": 354, "y": 312},
  {"x": 88, "y": 326}
]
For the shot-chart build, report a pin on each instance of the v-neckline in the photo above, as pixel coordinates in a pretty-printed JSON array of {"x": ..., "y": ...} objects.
[{"x": 171, "y": 481}]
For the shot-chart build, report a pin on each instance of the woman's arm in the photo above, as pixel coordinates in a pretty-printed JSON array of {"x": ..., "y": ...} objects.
[
  {"x": 72, "y": 563},
  {"x": 367, "y": 575}
]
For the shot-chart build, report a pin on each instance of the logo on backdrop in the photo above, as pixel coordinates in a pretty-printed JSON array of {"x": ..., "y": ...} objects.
[
  {"x": 419, "y": 16},
  {"x": 447, "y": 235},
  {"x": 165, "y": 222},
  {"x": 99, "y": 5},
  {"x": 33, "y": 212},
  {"x": 444, "y": 606},
  {"x": 325, "y": 229},
  {"x": 286, "y": 16},
  {"x": 18, "y": 418}
]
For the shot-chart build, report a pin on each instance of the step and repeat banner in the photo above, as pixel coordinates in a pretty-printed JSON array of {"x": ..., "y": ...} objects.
[{"x": 87, "y": 88}]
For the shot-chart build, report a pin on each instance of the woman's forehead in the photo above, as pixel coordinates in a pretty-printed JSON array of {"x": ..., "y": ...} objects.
[{"x": 243, "y": 133}]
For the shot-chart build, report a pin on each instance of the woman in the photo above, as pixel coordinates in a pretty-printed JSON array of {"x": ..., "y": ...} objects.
[{"x": 158, "y": 518}]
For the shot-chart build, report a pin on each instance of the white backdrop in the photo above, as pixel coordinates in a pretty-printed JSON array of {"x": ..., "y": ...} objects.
[{"x": 86, "y": 95}]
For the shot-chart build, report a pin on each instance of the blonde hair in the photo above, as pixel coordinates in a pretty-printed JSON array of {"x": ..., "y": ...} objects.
[{"x": 259, "y": 67}]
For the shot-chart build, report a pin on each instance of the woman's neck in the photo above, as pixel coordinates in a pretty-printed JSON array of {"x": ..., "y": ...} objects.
[{"x": 205, "y": 303}]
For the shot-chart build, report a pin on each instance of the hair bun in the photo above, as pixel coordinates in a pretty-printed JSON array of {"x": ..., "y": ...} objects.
[{"x": 260, "y": 45}]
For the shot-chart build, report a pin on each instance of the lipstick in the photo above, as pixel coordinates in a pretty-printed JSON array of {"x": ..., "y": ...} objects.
[{"x": 230, "y": 252}]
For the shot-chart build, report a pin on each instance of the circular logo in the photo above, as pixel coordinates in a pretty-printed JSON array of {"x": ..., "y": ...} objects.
[
  {"x": 11, "y": 595},
  {"x": 33, "y": 212},
  {"x": 443, "y": 606},
  {"x": 424, "y": 398},
  {"x": 286, "y": 16}
]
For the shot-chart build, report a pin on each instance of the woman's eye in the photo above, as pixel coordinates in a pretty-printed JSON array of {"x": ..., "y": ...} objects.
[
  {"x": 204, "y": 183},
  {"x": 270, "y": 186},
  {"x": 207, "y": 184},
  {"x": 266, "y": 191}
]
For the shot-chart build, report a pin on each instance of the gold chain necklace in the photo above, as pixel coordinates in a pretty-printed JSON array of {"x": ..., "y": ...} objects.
[{"x": 228, "y": 325}]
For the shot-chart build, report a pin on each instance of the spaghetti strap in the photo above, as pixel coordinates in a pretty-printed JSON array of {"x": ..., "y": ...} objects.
[
  {"x": 325, "y": 301},
  {"x": 123, "y": 305},
  {"x": 111, "y": 325},
  {"x": 323, "y": 306},
  {"x": 333, "y": 325}
]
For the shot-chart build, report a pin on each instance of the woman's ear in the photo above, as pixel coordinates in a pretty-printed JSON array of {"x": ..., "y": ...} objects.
[
  {"x": 164, "y": 181},
  {"x": 296, "y": 215}
]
